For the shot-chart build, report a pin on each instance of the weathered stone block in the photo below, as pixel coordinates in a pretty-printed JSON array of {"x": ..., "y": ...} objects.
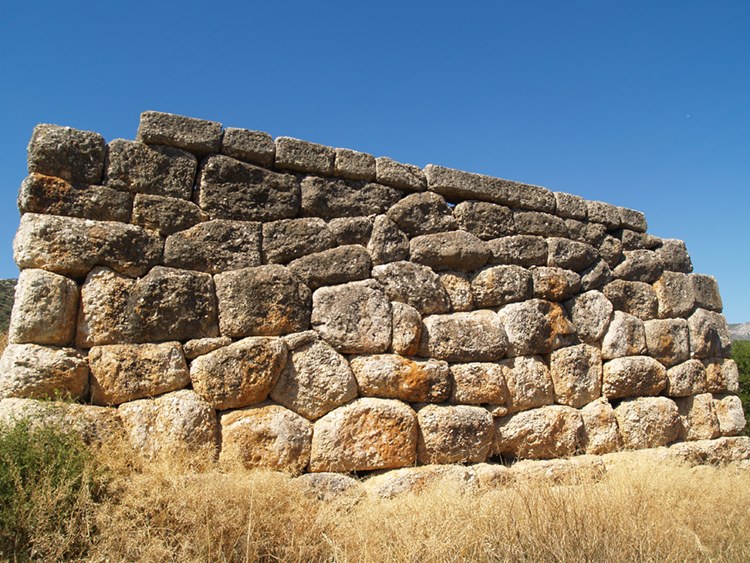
[
  {"x": 266, "y": 436},
  {"x": 44, "y": 309},
  {"x": 463, "y": 337},
  {"x": 604, "y": 213},
  {"x": 639, "y": 265},
  {"x": 73, "y": 155},
  {"x": 624, "y": 337},
  {"x": 591, "y": 313},
  {"x": 495, "y": 286},
  {"x": 232, "y": 189},
  {"x": 334, "y": 266},
  {"x": 167, "y": 215},
  {"x": 485, "y": 220},
  {"x": 522, "y": 250},
  {"x": 422, "y": 213},
  {"x": 407, "y": 329},
  {"x": 697, "y": 418},
  {"x": 364, "y": 435},
  {"x": 596, "y": 276},
  {"x": 71, "y": 246},
  {"x": 41, "y": 372},
  {"x": 687, "y": 378},
  {"x": 667, "y": 340},
  {"x": 255, "y": 147},
  {"x": 354, "y": 165},
  {"x": 402, "y": 176},
  {"x": 722, "y": 375},
  {"x": 570, "y": 254},
  {"x": 632, "y": 240},
  {"x": 538, "y": 223},
  {"x": 454, "y": 434},
  {"x": 261, "y": 301},
  {"x": 706, "y": 292},
  {"x": 479, "y": 383},
  {"x": 634, "y": 298},
  {"x": 215, "y": 247},
  {"x": 709, "y": 335},
  {"x": 53, "y": 196},
  {"x": 675, "y": 295},
  {"x": 387, "y": 243},
  {"x": 529, "y": 383},
  {"x": 576, "y": 374},
  {"x": 610, "y": 250},
  {"x": 632, "y": 219},
  {"x": 728, "y": 409},
  {"x": 353, "y": 230},
  {"x": 456, "y": 250},
  {"x": 633, "y": 376},
  {"x": 304, "y": 156},
  {"x": 602, "y": 435},
  {"x": 139, "y": 168},
  {"x": 200, "y": 346},
  {"x": 674, "y": 256},
  {"x": 535, "y": 327},
  {"x": 555, "y": 284},
  {"x": 329, "y": 199},
  {"x": 648, "y": 422},
  {"x": 390, "y": 376},
  {"x": 240, "y": 374},
  {"x": 458, "y": 288},
  {"x": 413, "y": 284},
  {"x": 543, "y": 433},
  {"x": 315, "y": 380},
  {"x": 288, "y": 239},
  {"x": 195, "y": 135},
  {"x": 104, "y": 316},
  {"x": 355, "y": 318},
  {"x": 570, "y": 206},
  {"x": 125, "y": 372}
]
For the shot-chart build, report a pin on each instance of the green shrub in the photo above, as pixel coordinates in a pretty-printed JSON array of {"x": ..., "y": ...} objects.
[
  {"x": 741, "y": 355},
  {"x": 49, "y": 482}
]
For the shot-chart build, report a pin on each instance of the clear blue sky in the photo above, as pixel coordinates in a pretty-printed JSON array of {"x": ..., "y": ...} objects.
[{"x": 643, "y": 104}]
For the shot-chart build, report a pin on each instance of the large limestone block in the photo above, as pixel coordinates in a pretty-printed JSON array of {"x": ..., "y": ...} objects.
[
  {"x": 706, "y": 292},
  {"x": 328, "y": 198},
  {"x": 543, "y": 433},
  {"x": 215, "y": 247},
  {"x": 729, "y": 413},
  {"x": 529, "y": 383},
  {"x": 720, "y": 451},
  {"x": 648, "y": 422},
  {"x": 387, "y": 242},
  {"x": 44, "y": 309},
  {"x": 610, "y": 250},
  {"x": 632, "y": 240},
  {"x": 463, "y": 337},
  {"x": 570, "y": 206},
  {"x": 40, "y": 372},
  {"x": 521, "y": 250},
  {"x": 354, "y": 165},
  {"x": 698, "y": 418},
  {"x": 421, "y": 214},
  {"x": 576, "y": 374},
  {"x": 495, "y": 286},
  {"x": 687, "y": 378},
  {"x": 602, "y": 436},
  {"x": 261, "y": 301},
  {"x": 604, "y": 213},
  {"x": 125, "y": 372},
  {"x": 675, "y": 295},
  {"x": 624, "y": 337},
  {"x": 555, "y": 284},
  {"x": 413, "y": 284},
  {"x": 674, "y": 256},
  {"x": 538, "y": 223},
  {"x": 105, "y": 314},
  {"x": 596, "y": 276},
  {"x": 454, "y": 434},
  {"x": 72, "y": 246},
  {"x": 240, "y": 374},
  {"x": 399, "y": 175},
  {"x": 330, "y": 486},
  {"x": 485, "y": 220},
  {"x": 354, "y": 318},
  {"x": 267, "y": 436},
  {"x": 390, "y": 376},
  {"x": 722, "y": 375},
  {"x": 633, "y": 297},
  {"x": 591, "y": 313},
  {"x": 315, "y": 380},
  {"x": 458, "y": 288},
  {"x": 54, "y": 196},
  {"x": 200, "y": 346},
  {"x": 303, "y": 156},
  {"x": 455, "y": 250},
  {"x": 479, "y": 383},
  {"x": 73, "y": 155},
  {"x": 639, "y": 265},
  {"x": 535, "y": 327},
  {"x": 285, "y": 240},
  {"x": 667, "y": 340},
  {"x": 255, "y": 147},
  {"x": 569, "y": 254},
  {"x": 414, "y": 480},
  {"x": 364, "y": 435},
  {"x": 709, "y": 335},
  {"x": 632, "y": 219},
  {"x": 175, "y": 423},
  {"x": 576, "y": 471},
  {"x": 139, "y": 168},
  {"x": 334, "y": 266},
  {"x": 407, "y": 329},
  {"x": 633, "y": 376},
  {"x": 353, "y": 230},
  {"x": 167, "y": 215},
  {"x": 231, "y": 189},
  {"x": 198, "y": 136}
]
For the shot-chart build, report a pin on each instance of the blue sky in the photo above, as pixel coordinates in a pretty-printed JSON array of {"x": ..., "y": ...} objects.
[{"x": 641, "y": 104}]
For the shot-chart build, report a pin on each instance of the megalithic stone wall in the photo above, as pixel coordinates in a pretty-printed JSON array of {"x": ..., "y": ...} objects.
[{"x": 307, "y": 308}]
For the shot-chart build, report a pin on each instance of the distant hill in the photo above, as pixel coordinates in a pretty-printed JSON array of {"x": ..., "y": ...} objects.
[
  {"x": 739, "y": 331},
  {"x": 7, "y": 292}
]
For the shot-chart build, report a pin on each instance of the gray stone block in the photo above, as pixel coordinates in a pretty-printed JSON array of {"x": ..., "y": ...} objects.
[
  {"x": 288, "y": 239},
  {"x": 255, "y": 147},
  {"x": 398, "y": 175},
  {"x": 73, "y": 155},
  {"x": 194, "y": 135},
  {"x": 330, "y": 199},
  {"x": 304, "y": 156},
  {"x": 167, "y": 215},
  {"x": 354, "y": 165}
]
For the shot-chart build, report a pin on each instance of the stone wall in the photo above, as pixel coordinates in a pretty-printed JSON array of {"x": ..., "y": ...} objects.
[{"x": 307, "y": 308}]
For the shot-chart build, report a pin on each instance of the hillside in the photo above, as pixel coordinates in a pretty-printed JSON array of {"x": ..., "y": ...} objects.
[
  {"x": 739, "y": 331},
  {"x": 7, "y": 290}
]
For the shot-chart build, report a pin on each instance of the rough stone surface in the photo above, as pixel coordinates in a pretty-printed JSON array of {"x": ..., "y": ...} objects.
[
  {"x": 334, "y": 266},
  {"x": 44, "y": 309},
  {"x": 353, "y": 230},
  {"x": 200, "y": 346},
  {"x": 535, "y": 327},
  {"x": 458, "y": 288},
  {"x": 304, "y": 156},
  {"x": 479, "y": 383},
  {"x": 485, "y": 220},
  {"x": 555, "y": 284},
  {"x": 674, "y": 256},
  {"x": 624, "y": 337},
  {"x": 387, "y": 243},
  {"x": 215, "y": 247},
  {"x": 54, "y": 196},
  {"x": 72, "y": 246},
  {"x": 456, "y": 250},
  {"x": 288, "y": 239},
  {"x": 543, "y": 433},
  {"x": 675, "y": 295},
  {"x": 632, "y": 240},
  {"x": 639, "y": 265},
  {"x": 570, "y": 254},
  {"x": 41, "y": 372},
  {"x": 402, "y": 176},
  {"x": 255, "y": 147},
  {"x": 454, "y": 434},
  {"x": 422, "y": 213},
  {"x": 635, "y": 298},
  {"x": 610, "y": 250},
  {"x": 495, "y": 286},
  {"x": 414, "y": 480},
  {"x": 195, "y": 135},
  {"x": 522, "y": 250},
  {"x": 667, "y": 340},
  {"x": 413, "y": 284},
  {"x": 266, "y": 436},
  {"x": 330, "y": 486},
  {"x": 576, "y": 374},
  {"x": 407, "y": 329},
  {"x": 529, "y": 383},
  {"x": 390, "y": 376},
  {"x": 729, "y": 414},
  {"x": 167, "y": 215},
  {"x": 697, "y": 418},
  {"x": 315, "y": 380},
  {"x": 355, "y": 318},
  {"x": 463, "y": 337},
  {"x": 648, "y": 422},
  {"x": 73, "y": 155},
  {"x": 125, "y": 372},
  {"x": 139, "y": 168},
  {"x": 706, "y": 292},
  {"x": 354, "y": 165},
  {"x": 577, "y": 471},
  {"x": 570, "y": 206},
  {"x": 720, "y": 451},
  {"x": 240, "y": 374},
  {"x": 602, "y": 435},
  {"x": 604, "y": 213},
  {"x": 232, "y": 189},
  {"x": 633, "y": 376},
  {"x": 722, "y": 375},
  {"x": 327, "y": 198},
  {"x": 537, "y": 223},
  {"x": 261, "y": 301},
  {"x": 632, "y": 219},
  {"x": 364, "y": 435},
  {"x": 591, "y": 313},
  {"x": 596, "y": 276},
  {"x": 709, "y": 335},
  {"x": 687, "y": 378}
]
